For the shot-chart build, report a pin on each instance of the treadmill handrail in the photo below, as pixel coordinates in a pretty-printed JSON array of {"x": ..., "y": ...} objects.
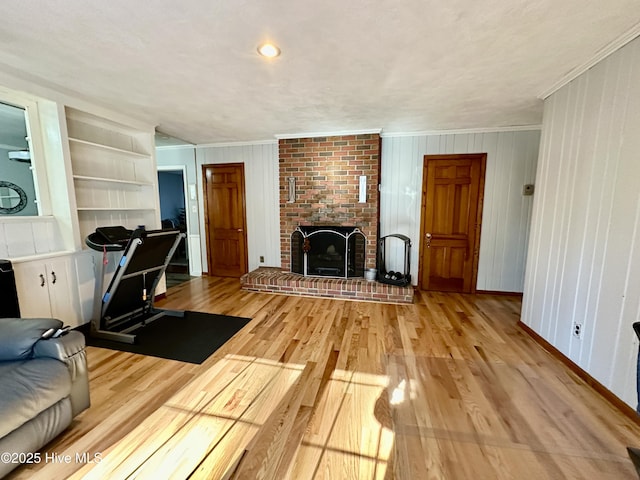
[{"x": 122, "y": 267}]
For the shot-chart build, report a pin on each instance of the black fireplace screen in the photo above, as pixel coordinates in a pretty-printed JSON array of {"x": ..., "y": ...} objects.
[{"x": 328, "y": 251}]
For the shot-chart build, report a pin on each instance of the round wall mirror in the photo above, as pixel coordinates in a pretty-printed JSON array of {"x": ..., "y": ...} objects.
[{"x": 13, "y": 199}]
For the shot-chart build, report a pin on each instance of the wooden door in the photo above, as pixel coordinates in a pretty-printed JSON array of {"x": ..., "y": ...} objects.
[
  {"x": 452, "y": 194},
  {"x": 225, "y": 219}
]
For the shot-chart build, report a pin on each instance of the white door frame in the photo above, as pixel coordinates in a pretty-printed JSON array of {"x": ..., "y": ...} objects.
[{"x": 183, "y": 169}]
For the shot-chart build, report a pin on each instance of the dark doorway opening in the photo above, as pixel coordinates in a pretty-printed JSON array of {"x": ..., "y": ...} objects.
[{"x": 173, "y": 215}]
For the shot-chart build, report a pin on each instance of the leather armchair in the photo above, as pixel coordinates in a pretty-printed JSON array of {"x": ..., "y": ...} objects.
[{"x": 44, "y": 384}]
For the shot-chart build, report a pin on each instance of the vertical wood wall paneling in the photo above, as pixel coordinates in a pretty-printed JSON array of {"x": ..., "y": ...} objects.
[
  {"x": 29, "y": 236},
  {"x": 20, "y": 239},
  {"x": 511, "y": 163},
  {"x": 262, "y": 197},
  {"x": 584, "y": 265}
]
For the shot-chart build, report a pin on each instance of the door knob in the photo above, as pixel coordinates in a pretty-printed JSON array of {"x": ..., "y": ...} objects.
[
  {"x": 240, "y": 230},
  {"x": 428, "y": 237}
]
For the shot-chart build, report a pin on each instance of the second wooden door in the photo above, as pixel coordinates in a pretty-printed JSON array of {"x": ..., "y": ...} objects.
[
  {"x": 225, "y": 219},
  {"x": 453, "y": 188}
]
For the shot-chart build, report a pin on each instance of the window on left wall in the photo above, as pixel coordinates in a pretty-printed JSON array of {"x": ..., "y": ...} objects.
[{"x": 19, "y": 193}]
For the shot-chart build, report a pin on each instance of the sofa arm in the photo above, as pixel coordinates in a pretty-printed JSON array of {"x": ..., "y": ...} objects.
[
  {"x": 18, "y": 335},
  {"x": 61, "y": 348},
  {"x": 69, "y": 349}
]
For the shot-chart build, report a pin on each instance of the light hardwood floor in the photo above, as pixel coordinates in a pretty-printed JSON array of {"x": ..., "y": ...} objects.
[{"x": 446, "y": 388}]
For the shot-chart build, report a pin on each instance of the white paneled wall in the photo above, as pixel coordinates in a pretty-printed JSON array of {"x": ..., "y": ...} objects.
[
  {"x": 29, "y": 236},
  {"x": 584, "y": 254},
  {"x": 511, "y": 163},
  {"x": 262, "y": 195}
]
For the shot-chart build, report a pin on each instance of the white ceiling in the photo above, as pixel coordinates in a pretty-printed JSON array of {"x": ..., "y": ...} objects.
[{"x": 191, "y": 66}]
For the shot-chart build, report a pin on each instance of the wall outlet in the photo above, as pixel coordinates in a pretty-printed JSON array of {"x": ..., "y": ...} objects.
[
  {"x": 261, "y": 258},
  {"x": 577, "y": 330}
]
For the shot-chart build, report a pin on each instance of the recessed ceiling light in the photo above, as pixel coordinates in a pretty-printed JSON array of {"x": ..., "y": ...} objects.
[{"x": 268, "y": 50}]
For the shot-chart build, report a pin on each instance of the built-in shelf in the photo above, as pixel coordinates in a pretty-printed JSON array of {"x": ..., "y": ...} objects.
[
  {"x": 112, "y": 180},
  {"x": 79, "y": 141},
  {"x": 114, "y": 173}
]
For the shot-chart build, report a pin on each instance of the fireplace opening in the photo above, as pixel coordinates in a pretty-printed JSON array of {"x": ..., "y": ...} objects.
[{"x": 326, "y": 251}]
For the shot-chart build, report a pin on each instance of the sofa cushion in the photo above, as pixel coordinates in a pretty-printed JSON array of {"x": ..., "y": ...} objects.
[
  {"x": 17, "y": 335},
  {"x": 28, "y": 388}
]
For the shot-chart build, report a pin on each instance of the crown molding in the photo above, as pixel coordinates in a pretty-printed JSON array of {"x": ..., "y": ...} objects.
[
  {"x": 286, "y": 136},
  {"x": 516, "y": 128},
  {"x": 236, "y": 144},
  {"x": 600, "y": 55},
  {"x": 175, "y": 147}
]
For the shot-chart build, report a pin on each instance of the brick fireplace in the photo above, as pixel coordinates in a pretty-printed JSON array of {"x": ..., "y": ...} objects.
[{"x": 326, "y": 172}]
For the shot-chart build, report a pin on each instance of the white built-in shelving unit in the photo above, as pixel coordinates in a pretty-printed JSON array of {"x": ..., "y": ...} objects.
[{"x": 114, "y": 173}]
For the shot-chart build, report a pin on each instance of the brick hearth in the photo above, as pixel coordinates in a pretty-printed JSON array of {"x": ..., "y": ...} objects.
[{"x": 274, "y": 280}]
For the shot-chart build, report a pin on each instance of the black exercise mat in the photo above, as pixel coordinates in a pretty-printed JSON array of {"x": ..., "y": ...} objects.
[{"x": 192, "y": 338}]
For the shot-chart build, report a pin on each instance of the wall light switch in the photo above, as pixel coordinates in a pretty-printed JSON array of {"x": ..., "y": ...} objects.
[
  {"x": 528, "y": 189},
  {"x": 192, "y": 191}
]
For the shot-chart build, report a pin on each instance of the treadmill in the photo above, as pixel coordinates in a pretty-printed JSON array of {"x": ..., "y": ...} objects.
[{"x": 127, "y": 303}]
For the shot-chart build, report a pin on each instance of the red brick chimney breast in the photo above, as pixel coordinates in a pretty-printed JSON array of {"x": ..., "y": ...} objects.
[{"x": 327, "y": 172}]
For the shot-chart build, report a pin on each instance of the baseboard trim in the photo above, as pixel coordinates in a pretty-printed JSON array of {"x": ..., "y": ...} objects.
[
  {"x": 592, "y": 382},
  {"x": 498, "y": 292}
]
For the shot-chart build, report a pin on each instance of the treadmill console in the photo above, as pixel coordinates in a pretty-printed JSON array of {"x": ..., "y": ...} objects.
[
  {"x": 114, "y": 234},
  {"x": 109, "y": 238}
]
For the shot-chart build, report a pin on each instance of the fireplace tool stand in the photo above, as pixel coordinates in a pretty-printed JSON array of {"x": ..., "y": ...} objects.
[{"x": 400, "y": 279}]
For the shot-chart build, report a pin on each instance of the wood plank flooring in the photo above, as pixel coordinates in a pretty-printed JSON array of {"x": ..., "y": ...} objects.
[{"x": 446, "y": 388}]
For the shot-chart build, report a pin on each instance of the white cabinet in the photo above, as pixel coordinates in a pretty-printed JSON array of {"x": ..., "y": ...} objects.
[
  {"x": 114, "y": 173},
  {"x": 48, "y": 288}
]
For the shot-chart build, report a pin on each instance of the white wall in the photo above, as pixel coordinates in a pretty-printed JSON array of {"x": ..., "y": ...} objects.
[
  {"x": 262, "y": 195},
  {"x": 584, "y": 253},
  {"x": 511, "y": 163},
  {"x": 29, "y": 236},
  {"x": 186, "y": 157}
]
